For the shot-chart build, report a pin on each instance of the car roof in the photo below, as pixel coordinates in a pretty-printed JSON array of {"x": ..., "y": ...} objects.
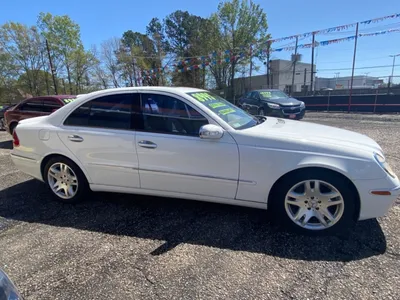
[
  {"x": 267, "y": 90},
  {"x": 152, "y": 88},
  {"x": 59, "y": 97},
  {"x": 175, "y": 90},
  {"x": 182, "y": 91}
]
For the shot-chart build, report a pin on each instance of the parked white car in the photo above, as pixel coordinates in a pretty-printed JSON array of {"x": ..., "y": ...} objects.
[{"x": 189, "y": 143}]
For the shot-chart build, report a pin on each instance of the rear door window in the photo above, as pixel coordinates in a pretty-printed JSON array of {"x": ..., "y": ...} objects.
[
  {"x": 119, "y": 111},
  {"x": 34, "y": 105}
]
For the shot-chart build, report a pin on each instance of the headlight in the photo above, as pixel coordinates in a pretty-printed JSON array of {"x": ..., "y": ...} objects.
[
  {"x": 274, "y": 106},
  {"x": 382, "y": 162},
  {"x": 302, "y": 104}
]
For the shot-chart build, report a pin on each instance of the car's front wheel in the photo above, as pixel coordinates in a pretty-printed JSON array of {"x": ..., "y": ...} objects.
[
  {"x": 66, "y": 180},
  {"x": 314, "y": 202}
]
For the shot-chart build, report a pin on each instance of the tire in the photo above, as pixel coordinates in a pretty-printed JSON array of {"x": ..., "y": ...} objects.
[
  {"x": 72, "y": 177},
  {"x": 343, "y": 207},
  {"x": 261, "y": 112},
  {"x": 2, "y": 124}
]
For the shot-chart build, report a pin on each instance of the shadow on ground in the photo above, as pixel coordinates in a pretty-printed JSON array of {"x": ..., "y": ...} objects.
[
  {"x": 6, "y": 145},
  {"x": 184, "y": 221}
]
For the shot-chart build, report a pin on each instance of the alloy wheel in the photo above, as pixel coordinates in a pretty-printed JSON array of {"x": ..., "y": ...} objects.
[
  {"x": 62, "y": 180},
  {"x": 314, "y": 204}
]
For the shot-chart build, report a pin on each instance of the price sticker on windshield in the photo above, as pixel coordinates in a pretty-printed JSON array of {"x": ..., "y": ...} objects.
[
  {"x": 266, "y": 94},
  {"x": 69, "y": 100},
  {"x": 226, "y": 111},
  {"x": 203, "y": 97},
  {"x": 216, "y": 105}
]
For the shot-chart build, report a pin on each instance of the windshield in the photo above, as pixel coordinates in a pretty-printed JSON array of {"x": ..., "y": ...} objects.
[
  {"x": 231, "y": 114},
  {"x": 272, "y": 95}
]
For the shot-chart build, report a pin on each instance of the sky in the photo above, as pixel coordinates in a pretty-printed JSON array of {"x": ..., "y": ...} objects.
[{"x": 101, "y": 20}]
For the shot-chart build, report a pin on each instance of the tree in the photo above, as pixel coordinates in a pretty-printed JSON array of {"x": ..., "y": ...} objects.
[
  {"x": 156, "y": 32},
  {"x": 108, "y": 58},
  {"x": 21, "y": 48},
  {"x": 241, "y": 25},
  {"x": 183, "y": 32},
  {"x": 64, "y": 37},
  {"x": 41, "y": 87},
  {"x": 212, "y": 40},
  {"x": 138, "y": 53},
  {"x": 82, "y": 63}
]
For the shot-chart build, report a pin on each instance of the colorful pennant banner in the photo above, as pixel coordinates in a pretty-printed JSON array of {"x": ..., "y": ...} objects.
[
  {"x": 380, "y": 19},
  {"x": 225, "y": 56},
  {"x": 379, "y": 32}
]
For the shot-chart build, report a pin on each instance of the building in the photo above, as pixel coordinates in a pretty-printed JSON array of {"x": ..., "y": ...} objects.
[
  {"x": 336, "y": 83},
  {"x": 281, "y": 74}
]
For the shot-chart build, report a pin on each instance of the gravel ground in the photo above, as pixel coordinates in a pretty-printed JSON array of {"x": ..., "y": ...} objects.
[{"x": 136, "y": 247}]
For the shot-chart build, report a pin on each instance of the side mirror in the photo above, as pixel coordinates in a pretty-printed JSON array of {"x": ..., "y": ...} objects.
[{"x": 211, "y": 132}]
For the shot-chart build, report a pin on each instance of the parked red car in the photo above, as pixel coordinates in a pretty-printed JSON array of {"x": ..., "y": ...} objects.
[{"x": 34, "y": 107}]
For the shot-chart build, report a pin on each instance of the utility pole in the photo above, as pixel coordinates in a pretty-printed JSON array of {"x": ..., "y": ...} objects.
[
  {"x": 51, "y": 67},
  {"x": 134, "y": 70},
  {"x": 63, "y": 82},
  {"x": 46, "y": 74},
  {"x": 268, "y": 62},
  {"x": 312, "y": 63},
  {"x": 251, "y": 51},
  {"x": 354, "y": 64},
  {"x": 251, "y": 62},
  {"x": 294, "y": 65},
  {"x": 391, "y": 77},
  {"x": 305, "y": 80}
]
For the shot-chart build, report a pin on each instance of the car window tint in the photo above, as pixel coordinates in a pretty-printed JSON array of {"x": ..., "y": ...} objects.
[
  {"x": 113, "y": 111},
  {"x": 165, "y": 114},
  {"x": 32, "y": 105},
  {"x": 50, "y": 105}
]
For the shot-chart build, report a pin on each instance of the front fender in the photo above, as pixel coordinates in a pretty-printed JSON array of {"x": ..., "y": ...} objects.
[{"x": 352, "y": 168}]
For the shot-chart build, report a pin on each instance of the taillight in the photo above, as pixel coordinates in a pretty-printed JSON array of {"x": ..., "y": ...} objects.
[{"x": 15, "y": 139}]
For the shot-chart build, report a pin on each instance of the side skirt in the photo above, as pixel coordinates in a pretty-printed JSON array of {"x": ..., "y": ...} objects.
[{"x": 117, "y": 189}]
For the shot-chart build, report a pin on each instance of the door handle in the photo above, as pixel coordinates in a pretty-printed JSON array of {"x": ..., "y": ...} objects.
[
  {"x": 147, "y": 144},
  {"x": 75, "y": 138}
]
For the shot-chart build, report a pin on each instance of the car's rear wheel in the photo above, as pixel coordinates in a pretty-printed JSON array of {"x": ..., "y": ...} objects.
[
  {"x": 315, "y": 202},
  {"x": 66, "y": 180}
]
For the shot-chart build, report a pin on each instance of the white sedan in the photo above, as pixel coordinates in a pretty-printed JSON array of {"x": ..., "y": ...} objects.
[{"x": 189, "y": 143}]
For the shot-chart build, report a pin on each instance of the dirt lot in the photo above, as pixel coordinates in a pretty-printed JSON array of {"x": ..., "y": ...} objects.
[{"x": 135, "y": 247}]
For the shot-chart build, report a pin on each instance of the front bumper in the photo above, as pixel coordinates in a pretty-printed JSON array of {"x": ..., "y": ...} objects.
[
  {"x": 287, "y": 113},
  {"x": 372, "y": 205}
]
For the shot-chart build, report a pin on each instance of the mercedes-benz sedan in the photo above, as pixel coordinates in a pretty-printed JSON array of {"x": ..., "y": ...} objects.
[{"x": 189, "y": 143}]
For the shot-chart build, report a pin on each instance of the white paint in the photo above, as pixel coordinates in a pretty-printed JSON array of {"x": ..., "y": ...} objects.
[{"x": 239, "y": 169}]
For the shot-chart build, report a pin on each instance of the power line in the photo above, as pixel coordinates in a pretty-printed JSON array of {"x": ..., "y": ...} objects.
[{"x": 359, "y": 68}]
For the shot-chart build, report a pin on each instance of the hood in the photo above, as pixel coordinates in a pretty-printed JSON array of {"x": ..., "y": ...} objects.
[
  {"x": 284, "y": 101},
  {"x": 322, "y": 135}
]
